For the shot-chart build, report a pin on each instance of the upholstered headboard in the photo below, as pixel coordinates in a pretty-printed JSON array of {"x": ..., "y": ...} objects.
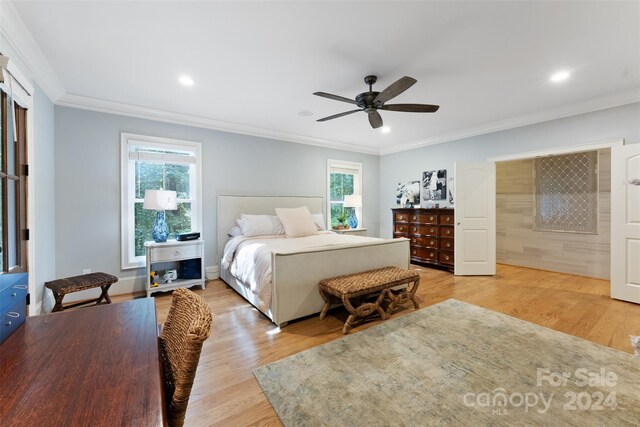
[{"x": 230, "y": 207}]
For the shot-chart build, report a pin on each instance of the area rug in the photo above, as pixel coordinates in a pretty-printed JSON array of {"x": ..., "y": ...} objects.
[{"x": 455, "y": 364}]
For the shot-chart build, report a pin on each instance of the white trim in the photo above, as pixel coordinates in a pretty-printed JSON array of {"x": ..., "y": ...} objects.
[
  {"x": 103, "y": 106},
  {"x": 357, "y": 186},
  {"x": 614, "y": 100},
  {"x": 211, "y": 272},
  {"x": 15, "y": 33},
  {"x": 557, "y": 150},
  {"x": 127, "y": 200}
]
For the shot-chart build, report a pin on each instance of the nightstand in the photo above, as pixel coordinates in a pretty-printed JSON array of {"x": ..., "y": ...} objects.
[
  {"x": 353, "y": 231},
  {"x": 187, "y": 258}
]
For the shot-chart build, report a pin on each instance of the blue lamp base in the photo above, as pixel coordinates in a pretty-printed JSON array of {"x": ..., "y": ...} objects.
[
  {"x": 353, "y": 219},
  {"x": 160, "y": 230}
]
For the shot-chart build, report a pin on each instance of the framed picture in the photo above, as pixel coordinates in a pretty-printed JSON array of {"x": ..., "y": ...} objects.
[
  {"x": 434, "y": 185},
  {"x": 408, "y": 194}
]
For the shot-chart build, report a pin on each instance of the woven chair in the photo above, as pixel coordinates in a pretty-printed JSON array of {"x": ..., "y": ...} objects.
[{"x": 187, "y": 327}]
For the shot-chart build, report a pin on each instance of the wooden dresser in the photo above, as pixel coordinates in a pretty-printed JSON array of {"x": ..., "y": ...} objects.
[{"x": 430, "y": 232}]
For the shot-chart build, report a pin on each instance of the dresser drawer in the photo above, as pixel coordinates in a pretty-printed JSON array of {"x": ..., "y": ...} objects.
[
  {"x": 11, "y": 295},
  {"x": 445, "y": 258},
  {"x": 172, "y": 253},
  {"x": 446, "y": 232},
  {"x": 402, "y": 228},
  {"x": 401, "y": 217},
  {"x": 425, "y": 241},
  {"x": 446, "y": 244},
  {"x": 424, "y": 230},
  {"x": 424, "y": 253},
  {"x": 424, "y": 218},
  {"x": 11, "y": 318},
  {"x": 445, "y": 218}
]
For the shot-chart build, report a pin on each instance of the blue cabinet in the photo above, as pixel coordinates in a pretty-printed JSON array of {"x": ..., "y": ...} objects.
[{"x": 13, "y": 302}]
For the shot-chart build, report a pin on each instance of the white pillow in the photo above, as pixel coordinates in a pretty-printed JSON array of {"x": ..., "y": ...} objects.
[
  {"x": 319, "y": 220},
  {"x": 260, "y": 225},
  {"x": 235, "y": 231},
  {"x": 297, "y": 222}
]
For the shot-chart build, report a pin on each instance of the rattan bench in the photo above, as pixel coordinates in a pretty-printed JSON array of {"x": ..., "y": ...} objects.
[
  {"x": 344, "y": 288},
  {"x": 61, "y": 287}
]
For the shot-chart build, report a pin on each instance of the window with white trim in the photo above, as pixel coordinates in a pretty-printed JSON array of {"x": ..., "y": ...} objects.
[
  {"x": 153, "y": 163},
  {"x": 343, "y": 179}
]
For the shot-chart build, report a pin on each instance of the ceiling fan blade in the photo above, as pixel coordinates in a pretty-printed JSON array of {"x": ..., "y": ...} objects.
[
  {"x": 375, "y": 119},
  {"x": 334, "y": 97},
  {"x": 394, "y": 90},
  {"x": 335, "y": 116},
  {"x": 411, "y": 108}
]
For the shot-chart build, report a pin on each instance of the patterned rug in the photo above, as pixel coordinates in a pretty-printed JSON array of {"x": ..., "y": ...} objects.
[{"x": 455, "y": 364}]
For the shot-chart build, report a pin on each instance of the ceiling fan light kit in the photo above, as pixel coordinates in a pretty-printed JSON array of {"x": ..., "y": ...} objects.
[{"x": 372, "y": 101}]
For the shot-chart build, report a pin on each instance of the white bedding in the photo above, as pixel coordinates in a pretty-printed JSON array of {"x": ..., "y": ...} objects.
[{"x": 249, "y": 258}]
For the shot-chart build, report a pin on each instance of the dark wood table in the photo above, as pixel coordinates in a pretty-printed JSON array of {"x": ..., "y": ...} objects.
[{"x": 97, "y": 366}]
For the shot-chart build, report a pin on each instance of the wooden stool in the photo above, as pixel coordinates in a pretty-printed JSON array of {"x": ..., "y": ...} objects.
[
  {"x": 61, "y": 287},
  {"x": 343, "y": 288}
]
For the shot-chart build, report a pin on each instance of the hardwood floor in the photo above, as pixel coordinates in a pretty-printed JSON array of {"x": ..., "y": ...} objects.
[{"x": 226, "y": 393}]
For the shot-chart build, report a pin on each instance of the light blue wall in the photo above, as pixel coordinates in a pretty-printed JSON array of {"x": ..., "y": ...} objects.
[
  {"x": 614, "y": 123},
  {"x": 44, "y": 237},
  {"x": 87, "y": 181}
]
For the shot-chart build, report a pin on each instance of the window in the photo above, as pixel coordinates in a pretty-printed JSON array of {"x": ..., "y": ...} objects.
[
  {"x": 13, "y": 183},
  {"x": 152, "y": 163},
  {"x": 343, "y": 178},
  {"x": 566, "y": 193}
]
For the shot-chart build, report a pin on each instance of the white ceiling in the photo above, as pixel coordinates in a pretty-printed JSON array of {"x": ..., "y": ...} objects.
[{"x": 256, "y": 64}]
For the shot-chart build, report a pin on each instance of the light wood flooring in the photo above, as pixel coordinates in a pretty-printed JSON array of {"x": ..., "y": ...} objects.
[{"x": 226, "y": 393}]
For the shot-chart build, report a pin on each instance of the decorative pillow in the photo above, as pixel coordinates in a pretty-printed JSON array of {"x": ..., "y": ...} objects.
[
  {"x": 235, "y": 231},
  {"x": 297, "y": 222},
  {"x": 319, "y": 220},
  {"x": 260, "y": 225}
]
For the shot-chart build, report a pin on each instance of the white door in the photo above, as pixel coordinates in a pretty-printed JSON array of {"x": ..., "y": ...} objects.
[
  {"x": 625, "y": 223},
  {"x": 475, "y": 218}
]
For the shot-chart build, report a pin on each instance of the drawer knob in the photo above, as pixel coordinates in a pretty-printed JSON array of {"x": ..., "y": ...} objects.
[
  {"x": 400, "y": 217},
  {"x": 14, "y": 294},
  {"x": 20, "y": 287},
  {"x": 446, "y": 257},
  {"x": 430, "y": 218},
  {"x": 414, "y": 240},
  {"x": 414, "y": 251},
  {"x": 415, "y": 229},
  {"x": 448, "y": 231},
  {"x": 431, "y": 242},
  {"x": 414, "y": 217},
  {"x": 401, "y": 228},
  {"x": 431, "y": 254},
  {"x": 448, "y": 244},
  {"x": 8, "y": 323}
]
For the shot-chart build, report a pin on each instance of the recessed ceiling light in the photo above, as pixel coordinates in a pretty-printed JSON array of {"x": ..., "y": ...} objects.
[
  {"x": 560, "y": 76},
  {"x": 385, "y": 129},
  {"x": 186, "y": 80}
]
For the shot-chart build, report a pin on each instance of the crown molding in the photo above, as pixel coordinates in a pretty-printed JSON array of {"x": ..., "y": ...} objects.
[
  {"x": 15, "y": 33},
  {"x": 103, "y": 106},
  {"x": 602, "y": 103}
]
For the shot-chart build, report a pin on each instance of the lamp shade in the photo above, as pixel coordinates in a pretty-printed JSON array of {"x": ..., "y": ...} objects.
[
  {"x": 353, "y": 201},
  {"x": 160, "y": 200}
]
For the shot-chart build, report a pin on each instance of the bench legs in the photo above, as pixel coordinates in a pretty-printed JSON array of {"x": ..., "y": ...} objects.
[
  {"x": 363, "y": 310},
  {"x": 104, "y": 295}
]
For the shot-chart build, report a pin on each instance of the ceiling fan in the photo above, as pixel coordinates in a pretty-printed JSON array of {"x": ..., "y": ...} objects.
[{"x": 370, "y": 102}]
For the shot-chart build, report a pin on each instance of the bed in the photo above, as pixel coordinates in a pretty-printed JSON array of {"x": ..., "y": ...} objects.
[{"x": 295, "y": 273}]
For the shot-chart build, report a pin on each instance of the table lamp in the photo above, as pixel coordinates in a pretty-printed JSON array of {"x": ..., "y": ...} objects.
[
  {"x": 353, "y": 201},
  {"x": 160, "y": 200}
]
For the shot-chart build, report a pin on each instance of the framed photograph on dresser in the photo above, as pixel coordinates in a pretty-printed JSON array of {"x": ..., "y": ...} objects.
[{"x": 434, "y": 185}]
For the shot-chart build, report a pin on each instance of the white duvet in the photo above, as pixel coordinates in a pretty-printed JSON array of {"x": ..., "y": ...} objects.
[{"x": 249, "y": 258}]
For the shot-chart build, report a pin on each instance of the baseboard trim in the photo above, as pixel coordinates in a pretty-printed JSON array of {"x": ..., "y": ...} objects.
[{"x": 212, "y": 272}]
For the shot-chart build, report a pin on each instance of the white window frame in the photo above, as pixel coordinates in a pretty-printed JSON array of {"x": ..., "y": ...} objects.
[
  {"x": 356, "y": 169},
  {"x": 127, "y": 199}
]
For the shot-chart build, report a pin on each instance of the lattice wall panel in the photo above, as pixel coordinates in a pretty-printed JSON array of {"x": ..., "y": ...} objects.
[{"x": 566, "y": 193}]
